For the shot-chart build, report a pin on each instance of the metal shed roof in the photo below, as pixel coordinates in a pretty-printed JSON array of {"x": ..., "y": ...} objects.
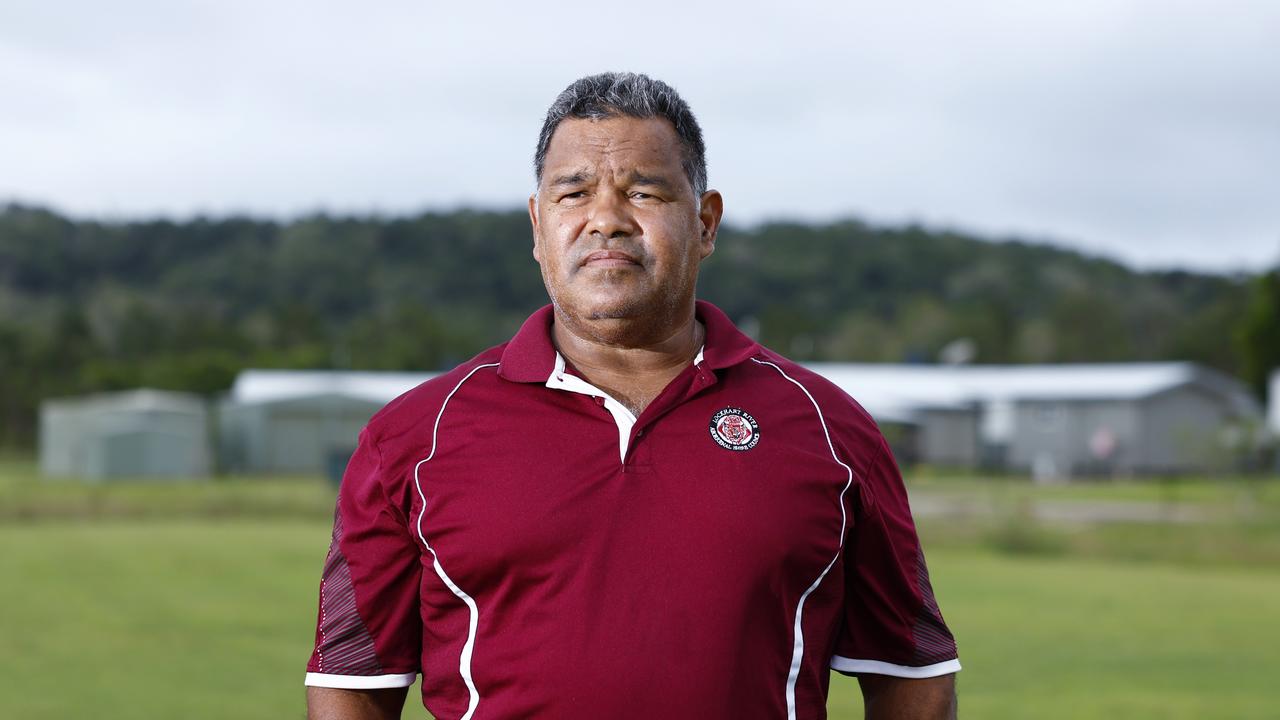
[
  {"x": 944, "y": 385},
  {"x": 262, "y": 386},
  {"x": 899, "y": 392},
  {"x": 889, "y": 392},
  {"x": 140, "y": 400}
]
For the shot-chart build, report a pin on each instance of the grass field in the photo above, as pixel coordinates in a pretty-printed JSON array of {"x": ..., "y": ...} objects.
[{"x": 113, "y": 611}]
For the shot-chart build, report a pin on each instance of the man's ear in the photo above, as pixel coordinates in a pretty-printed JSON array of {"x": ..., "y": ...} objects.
[
  {"x": 533, "y": 221},
  {"x": 710, "y": 214}
]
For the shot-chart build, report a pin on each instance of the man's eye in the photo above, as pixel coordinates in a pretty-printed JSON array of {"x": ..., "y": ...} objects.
[
  {"x": 643, "y": 196},
  {"x": 576, "y": 195}
]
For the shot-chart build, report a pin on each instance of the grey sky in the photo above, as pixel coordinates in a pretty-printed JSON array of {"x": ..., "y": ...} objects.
[{"x": 1144, "y": 130}]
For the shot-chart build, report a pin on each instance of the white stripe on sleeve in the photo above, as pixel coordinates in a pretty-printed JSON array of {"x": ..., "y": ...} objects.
[{"x": 360, "y": 682}]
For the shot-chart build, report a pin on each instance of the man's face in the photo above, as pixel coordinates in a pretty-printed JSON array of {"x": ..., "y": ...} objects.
[{"x": 618, "y": 231}]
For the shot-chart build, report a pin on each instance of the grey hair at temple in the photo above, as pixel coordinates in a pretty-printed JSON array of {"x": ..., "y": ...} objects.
[{"x": 628, "y": 95}]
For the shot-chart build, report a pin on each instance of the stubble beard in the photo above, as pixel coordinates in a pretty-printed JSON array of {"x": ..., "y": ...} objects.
[
  {"x": 625, "y": 305},
  {"x": 640, "y": 320}
]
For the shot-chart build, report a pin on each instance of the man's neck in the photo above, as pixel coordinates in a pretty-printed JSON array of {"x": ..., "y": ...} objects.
[{"x": 632, "y": 375}]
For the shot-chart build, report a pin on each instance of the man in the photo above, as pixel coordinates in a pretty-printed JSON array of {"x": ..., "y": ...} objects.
[{"x": 631, "y": 509}]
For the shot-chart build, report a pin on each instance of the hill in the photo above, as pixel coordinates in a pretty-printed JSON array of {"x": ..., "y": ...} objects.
[{"x": 90, "y": 305}]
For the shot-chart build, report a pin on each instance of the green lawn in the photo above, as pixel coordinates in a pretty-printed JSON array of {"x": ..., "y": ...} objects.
[
  {"x": 1229, "y": 492},
  {"x": 196, "y": 599},
  {"x": 157, "y": 620},
  {"x": 210, "y": 618},
  {"x": 25, "y": 497}
]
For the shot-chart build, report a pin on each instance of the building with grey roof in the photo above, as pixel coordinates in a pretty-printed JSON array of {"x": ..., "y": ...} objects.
[
  {"x": 1059, "y": 421},
  {"x": 133, "y": 434},
  {"x": 1273, "y": 403},
  {"x": 1053, "y": 421},
  {"x": 301, "y": 421}
]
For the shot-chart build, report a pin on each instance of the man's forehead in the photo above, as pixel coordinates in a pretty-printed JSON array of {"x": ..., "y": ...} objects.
[
  {"x": 579, "y": 143},
  {"x": 649, "y": 137}
]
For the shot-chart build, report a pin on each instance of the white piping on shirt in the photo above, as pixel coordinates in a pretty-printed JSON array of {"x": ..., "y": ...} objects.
[
  {"x": 797, "y": 646},
  {"x": 464, "y": 660},
  {"x": 558, "y": 380}
]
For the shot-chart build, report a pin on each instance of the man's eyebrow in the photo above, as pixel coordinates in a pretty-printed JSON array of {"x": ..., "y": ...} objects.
[
  {"x": 573, "y": 178},
  {"x": 658, "y": 181}
]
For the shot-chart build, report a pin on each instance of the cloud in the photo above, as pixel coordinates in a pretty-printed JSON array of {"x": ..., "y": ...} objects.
[{"x": 1144, "y": 130}]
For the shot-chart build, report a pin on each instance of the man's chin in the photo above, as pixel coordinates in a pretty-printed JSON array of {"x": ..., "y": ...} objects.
[
  {"x": 623, "y": 306},
  {"x": 612, "y": 306},
  {"x": 611, "y": 313}
]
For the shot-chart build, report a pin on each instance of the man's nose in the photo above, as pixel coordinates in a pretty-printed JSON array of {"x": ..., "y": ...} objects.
[{"x": 611, "y": 216}]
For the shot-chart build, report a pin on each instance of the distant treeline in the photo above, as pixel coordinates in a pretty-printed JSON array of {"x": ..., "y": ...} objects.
[{"x": 88, "y": 305}]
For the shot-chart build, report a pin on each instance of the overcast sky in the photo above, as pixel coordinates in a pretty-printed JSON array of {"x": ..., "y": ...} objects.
[{"x": 1148, "y": 131}]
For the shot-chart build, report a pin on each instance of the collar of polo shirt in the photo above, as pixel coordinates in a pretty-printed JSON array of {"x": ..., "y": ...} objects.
[{"x": 531, "y": 356}]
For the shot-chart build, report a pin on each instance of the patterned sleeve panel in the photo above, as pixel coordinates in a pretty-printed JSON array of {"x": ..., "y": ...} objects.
[
  {"x": 368, "y": 628},
  {"x": 892, "y": 623}
]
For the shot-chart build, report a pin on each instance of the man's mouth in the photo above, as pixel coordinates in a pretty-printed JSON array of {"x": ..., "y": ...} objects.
[{"x": 609, "y": 259}]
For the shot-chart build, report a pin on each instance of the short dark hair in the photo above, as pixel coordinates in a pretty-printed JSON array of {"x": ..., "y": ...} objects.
[{"x": 614, "y": 94}]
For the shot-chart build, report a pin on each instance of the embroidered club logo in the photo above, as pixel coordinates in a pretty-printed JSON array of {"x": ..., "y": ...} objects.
[{"x": 734, "y": 429}]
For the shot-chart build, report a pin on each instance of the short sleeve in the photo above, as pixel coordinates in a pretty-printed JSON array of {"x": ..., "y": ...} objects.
[
  {"x": 368, "y": 629},
  {"x": 892, "y": 624}
]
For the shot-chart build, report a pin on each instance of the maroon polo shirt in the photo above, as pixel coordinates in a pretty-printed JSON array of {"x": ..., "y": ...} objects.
[{"x": 518, "y": 538}]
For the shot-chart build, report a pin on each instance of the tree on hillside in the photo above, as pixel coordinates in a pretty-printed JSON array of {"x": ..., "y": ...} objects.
[
  {"x": 90, "y": 305},
  {"x": 1258, "y": 334}
]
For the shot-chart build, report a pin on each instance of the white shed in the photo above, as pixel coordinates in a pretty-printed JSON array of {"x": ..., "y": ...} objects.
[
  {"x": 1058, "y": 420},
  {"x": 133, "y": 434},
  {"x": 301, "y": 421}
]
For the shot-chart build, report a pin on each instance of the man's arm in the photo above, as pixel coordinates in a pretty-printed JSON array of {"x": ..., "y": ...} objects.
[
  {"x": 336, "y": 704},
  {"x": 893, "y": 698},
  {"x": 368, "y": 623}
]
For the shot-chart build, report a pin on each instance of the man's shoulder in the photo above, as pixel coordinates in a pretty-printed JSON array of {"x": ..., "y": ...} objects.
[
  {"x": 844, "y": 417},
  {"x": 408, "y": 412},
  {"x": 823, "y": 391}
]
